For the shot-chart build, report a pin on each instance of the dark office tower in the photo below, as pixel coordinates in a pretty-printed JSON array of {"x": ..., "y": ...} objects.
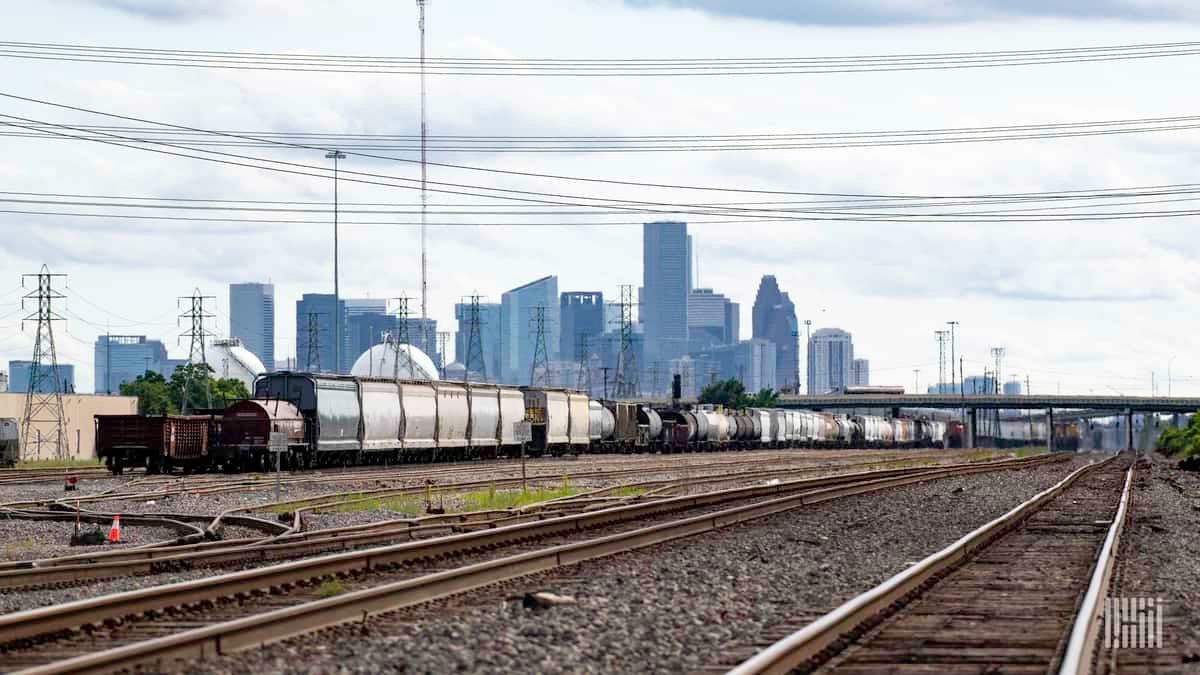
[
  {"x": 580, "y": 313},
  {"x": 252, "y": 319},
  {"x": 666, "y": 279},
  {"x": 321, "y": 306},
  {"x": 774, "y": 319}
]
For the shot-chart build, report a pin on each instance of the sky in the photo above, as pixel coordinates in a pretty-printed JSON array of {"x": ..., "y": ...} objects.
[{"x": 1097, "y": 306}]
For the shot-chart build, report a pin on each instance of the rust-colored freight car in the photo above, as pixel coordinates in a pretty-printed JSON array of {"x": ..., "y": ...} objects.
[
  {"x": 246, "y": 432},
  {"x": 157, "y": 443}
]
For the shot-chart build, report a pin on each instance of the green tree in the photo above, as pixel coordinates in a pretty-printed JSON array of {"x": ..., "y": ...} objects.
[
  {"x": 729, "y": 393},
  {"x": 153, "y": 392},
  {"x": 221, "y": 391},
  {"x": 1181, "y": 443},
  {"x": 765, "y": 398}
]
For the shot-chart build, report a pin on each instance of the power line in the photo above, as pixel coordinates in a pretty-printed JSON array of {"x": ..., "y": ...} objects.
[{"x": 625, "y": 67}]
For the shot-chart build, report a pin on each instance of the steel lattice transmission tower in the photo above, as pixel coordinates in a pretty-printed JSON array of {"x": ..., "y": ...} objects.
[
  {"x": 942, "y": 336},
  {"x": 443, "y": 342},
  {"x": 474, "y": 355},
  {"x": 43, "y": 404},
  {"x": 539, "y": 368},
  {"x": 628, "y": 385},
  {"x": 402, "y": 338},
  {"x": 424, "y": 167},
  {"x": 313, "y": 361},
  {"x": 197, "y": 335},
  {"x": 997, "y": 354},
  {"x": 583, "y": 379}
]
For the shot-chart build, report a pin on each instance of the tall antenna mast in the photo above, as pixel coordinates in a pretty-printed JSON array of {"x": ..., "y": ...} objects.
[{"x": 424, "y": 194}]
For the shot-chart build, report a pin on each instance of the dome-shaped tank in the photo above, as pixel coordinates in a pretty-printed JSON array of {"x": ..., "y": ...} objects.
[
  {"x": 380, "y": 360},
  {"x": 229, "y": 359}
]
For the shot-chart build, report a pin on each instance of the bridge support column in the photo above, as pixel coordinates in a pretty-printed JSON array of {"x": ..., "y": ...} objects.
[
  {"x": 1129, "y": 430},
  {"x": 969, "y": 441},
  {"x": 1050, "y": 430}
]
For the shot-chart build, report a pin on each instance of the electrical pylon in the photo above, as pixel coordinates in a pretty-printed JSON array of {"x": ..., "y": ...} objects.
[
  {"x": 628, "y": 385},
  {"x": 583, "y": 379},
  {"x": 403, "y": 338},
  {"x": 443, "y": 342},
  {"x": 313, "y": 360},
  {"x": 474, "y": 342},
  {"x": 43, "y": 398},
  {"x": 197, "y": 335},
  {"x": 942, "y": 336},
  {"x": 539, "y": 368}
]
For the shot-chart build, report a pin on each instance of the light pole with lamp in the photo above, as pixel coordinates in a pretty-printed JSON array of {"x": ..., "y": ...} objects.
[{"x": 335, "y": 155}]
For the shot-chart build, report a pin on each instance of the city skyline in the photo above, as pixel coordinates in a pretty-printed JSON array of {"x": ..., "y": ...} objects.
[{"x": 1045, "y": 302}]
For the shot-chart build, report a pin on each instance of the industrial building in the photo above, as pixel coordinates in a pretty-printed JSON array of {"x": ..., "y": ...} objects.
[{"x": 80, "y": 411}]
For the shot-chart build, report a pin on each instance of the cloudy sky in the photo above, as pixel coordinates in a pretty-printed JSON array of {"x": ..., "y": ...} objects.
[{"x": 1080, "y": 306}]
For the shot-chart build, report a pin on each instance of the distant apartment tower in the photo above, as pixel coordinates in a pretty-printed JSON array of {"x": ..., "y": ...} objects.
[
  {"x": 518, "y": 308},
  {"x": 830, "y": 358},
  {"x": 1012, "y": 388},
  {"x": 712, "y": 319},
  {"x": 774, "y": 319},
  {"x": 752, "y": 362},
  {"x": 252, "y": 319},
  {"x": 123, "y": 358},
  {"x": 19, "y": 372},
  {"x": 979, "y": 384},
  {"x": 666, "y": 280},
  {"x": 581, "y": 315},
  {"x": 860, "y": 373},
  {"x": 490, "y": 326}
]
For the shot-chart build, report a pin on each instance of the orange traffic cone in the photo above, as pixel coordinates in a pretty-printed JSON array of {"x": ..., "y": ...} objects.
[{"x": 114, "y": 532}]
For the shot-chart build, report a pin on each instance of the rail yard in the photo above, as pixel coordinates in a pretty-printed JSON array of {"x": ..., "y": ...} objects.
[{"x": 759, "y": 561}]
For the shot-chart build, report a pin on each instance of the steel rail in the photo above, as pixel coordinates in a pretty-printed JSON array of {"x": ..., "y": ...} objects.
[
  {"x": 808, "y": 642},
  {"x": 271, "y": 626},
  {"x": 66, "y": 616},
  {"x": 148, "y": 561},
  {"x": 1077, "y": 659}
]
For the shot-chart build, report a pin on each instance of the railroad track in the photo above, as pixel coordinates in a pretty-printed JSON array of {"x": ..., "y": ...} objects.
[
  {"x": 1023, "y": 593},
  {"x": 234, "y": 611}
]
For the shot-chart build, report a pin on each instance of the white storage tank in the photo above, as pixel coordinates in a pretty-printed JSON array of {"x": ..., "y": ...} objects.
[
  {"x": 230, "y": 360},
  {"x": 380, "y": 360}
]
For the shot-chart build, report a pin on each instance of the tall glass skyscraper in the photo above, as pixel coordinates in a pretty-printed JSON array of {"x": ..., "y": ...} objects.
[
  {"x": 774, "y": 319},
  {"x": 321, "y": 307},
  {"x": 582, "y": 315},
  {"x": 517, "y": 337},
  {"x": 123, "y": 358},
  {"x": 252, "y": 319},
  {"x": 490, "y": 331},
  {"x": 666, "y": 280},
  {"x": 830, "y": 358}
]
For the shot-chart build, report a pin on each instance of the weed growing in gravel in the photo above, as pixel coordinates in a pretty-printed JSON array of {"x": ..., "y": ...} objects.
[
  {"x": 491, "y": 499},
  {"x": 1031, "y": 450},
  {"x": 628, "y": 492},
  {"x": 13, "y": 548},
  {"x": 330, "y": 588},
  {"x": 404, "y": 505},
  {"x": 59, "y": 464}
]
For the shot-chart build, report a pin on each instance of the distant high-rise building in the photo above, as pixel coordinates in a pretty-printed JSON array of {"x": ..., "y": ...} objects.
[
  {"x": 712, "y": 319},
  {"x": 860, "y": 373},
  {"x": 979, "y": 384},
  {"x": 367, "y": 329},
  {"x": 123, "y": 358},
  {"x": 3, "y": 382},
  {"x": 19, "y": 372},
  {"x": 830, "y": 354},
  {"x": 581, "y": 314},
  {"x": 423, "y": 334},
  {"x": 774, "y": 319},
  {"x": 322, "y": 305},
  {"x": 490, "y": 326},
  {"x": 752, "y": 362},
  {"x": 666, "y": 280},
  {"x": 1012, "y": 388},
  {"x": 252, "y": 319},
  {"x": 517, "y": 338}
]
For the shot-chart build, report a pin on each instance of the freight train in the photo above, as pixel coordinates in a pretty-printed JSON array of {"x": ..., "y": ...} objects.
[
  {"x": 329, "y": 420},
  {"x": 10, "y": 442}
]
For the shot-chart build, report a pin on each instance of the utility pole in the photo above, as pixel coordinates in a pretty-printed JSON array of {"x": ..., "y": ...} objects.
[
  {"x": 196, "y": 334},
  {"x": 313, "y": 361},
  {"x": 807, "y": 347},
  {"x": 424, "y": 168},
  {"x": 916, "y": 380},
  {"x": 605, "y": 370},
  {"x": 952, "y": 324},
  {"x": 628, "y": 385},
  {"x": 335, "y": 155},
  {"x": 941, "y": 340},
  {"x": 43, "y": 404},
  {"x": 474, "y": 341},
  {"x": 1027, "y": 392},
  {"x": 539, "y": 368}
]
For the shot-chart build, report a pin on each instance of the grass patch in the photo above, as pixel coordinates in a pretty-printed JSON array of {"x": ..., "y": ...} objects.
[
  {"x": 488, "y": 500},
  {"x": 405, "y": 505},
  {"x": 58, "y": 463},
  {"x": 13, "y": 548},
  {"x": 630, "y": 491},
  {"x": 1029, "y": 451},
  {"x": 330, "y": 588}
]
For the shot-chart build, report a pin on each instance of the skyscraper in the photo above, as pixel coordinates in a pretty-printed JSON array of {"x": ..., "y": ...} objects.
[
  {"x": 774, "y": 319},
  {"x": 830, "y": 353},
  {"x": 751, "y": 362},
  {"x": 712, "y": 319},
  {"x": 666, "y": 279},
  {"x": 19, "y": 372},
  {"x": 860, "y": 373},
  {"x": 252, "y": 319},
  {"x": 581, "y": 313},
  {"x": 320, "y": 304},
  {"x": 123, "y": 358},
  {"x": 517, "y": 339}
]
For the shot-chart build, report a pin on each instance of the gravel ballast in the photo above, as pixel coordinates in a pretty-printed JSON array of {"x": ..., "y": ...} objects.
[{"x": 673, "y": 607}]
